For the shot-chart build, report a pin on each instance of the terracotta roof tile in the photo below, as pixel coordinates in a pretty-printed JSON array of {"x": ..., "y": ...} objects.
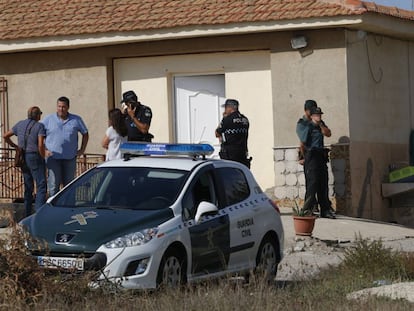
[
  {"x": 22, "y": 19},
  {"x": 392, "y": 11}
]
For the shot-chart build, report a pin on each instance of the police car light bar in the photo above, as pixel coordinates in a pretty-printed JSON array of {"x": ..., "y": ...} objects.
[{"x": 193, "y": 150}]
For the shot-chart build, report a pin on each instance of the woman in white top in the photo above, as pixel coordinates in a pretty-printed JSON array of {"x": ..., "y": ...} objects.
[{"x": 115, "y": 134}]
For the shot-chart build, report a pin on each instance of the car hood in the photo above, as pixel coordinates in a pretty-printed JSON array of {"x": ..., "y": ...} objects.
[{"x": 86, "y": 229}]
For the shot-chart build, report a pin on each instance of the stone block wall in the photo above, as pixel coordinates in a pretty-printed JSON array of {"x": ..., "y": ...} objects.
[{"x": 290, "y": 177}]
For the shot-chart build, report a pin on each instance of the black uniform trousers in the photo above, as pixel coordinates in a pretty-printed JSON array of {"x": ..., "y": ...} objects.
[
  {"x": 317, "y": 180},
  {"x": 234, "y": 153}
]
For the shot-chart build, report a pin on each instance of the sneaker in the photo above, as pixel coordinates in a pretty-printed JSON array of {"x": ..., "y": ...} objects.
[{"x": 328, "y": 214}]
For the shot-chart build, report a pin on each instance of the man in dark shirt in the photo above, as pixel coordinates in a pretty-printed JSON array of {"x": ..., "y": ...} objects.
[
  {"x": 233, "y": 132},
  {"x": 138, "y": 117},
  {"x": 301, "y": 126}
]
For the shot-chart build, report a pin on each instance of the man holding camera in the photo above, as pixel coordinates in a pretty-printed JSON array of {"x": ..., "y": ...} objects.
[{"x": 138, "y": 117}]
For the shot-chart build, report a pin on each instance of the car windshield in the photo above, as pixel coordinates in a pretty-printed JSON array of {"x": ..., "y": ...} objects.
[{"x": 123, "y": 187}]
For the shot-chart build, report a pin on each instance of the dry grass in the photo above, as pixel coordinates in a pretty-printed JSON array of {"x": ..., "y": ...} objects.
[{"x": 23, "y": 286}]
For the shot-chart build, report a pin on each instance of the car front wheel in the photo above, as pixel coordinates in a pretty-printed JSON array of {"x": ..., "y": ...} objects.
[{"x": 172, "y": 270}]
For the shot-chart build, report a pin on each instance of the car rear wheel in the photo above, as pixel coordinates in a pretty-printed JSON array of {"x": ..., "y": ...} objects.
[
  {"x": 267, "y": 259},
  {"x": 172, "y": 270}
]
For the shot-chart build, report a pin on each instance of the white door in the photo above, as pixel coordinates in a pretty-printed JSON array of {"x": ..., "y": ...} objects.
[{"x": 198, "y": 111}]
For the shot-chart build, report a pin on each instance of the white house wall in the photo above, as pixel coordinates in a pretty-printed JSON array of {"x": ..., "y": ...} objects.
[{"x": 247, "y": 78}]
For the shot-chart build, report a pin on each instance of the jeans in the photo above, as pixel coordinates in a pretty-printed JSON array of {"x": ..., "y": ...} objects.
[
  {"x": 34, "y": 171},
  {"x": 60, "y": 171}
]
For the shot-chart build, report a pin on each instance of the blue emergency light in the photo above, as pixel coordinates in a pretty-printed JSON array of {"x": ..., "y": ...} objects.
[{"x": 193, "y": 150}]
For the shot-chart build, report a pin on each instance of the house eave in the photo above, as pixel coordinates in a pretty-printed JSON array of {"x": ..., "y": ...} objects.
[
  {"x": 94, "y": 40},
  {"x": 370, "y": 22}
]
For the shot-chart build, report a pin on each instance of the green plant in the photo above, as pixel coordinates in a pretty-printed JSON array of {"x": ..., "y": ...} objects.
[
  {"x": 301, "y": 211},
  {"x": 388, "y": 264}
]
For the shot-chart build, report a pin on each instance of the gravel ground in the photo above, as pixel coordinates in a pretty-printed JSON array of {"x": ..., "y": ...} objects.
[{"x": 304, "y": 257}]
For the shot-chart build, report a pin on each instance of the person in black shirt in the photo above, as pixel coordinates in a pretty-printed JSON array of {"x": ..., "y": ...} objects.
[
  {"x": 233, "y": 132},
  {"x": 138, "y": 117}
]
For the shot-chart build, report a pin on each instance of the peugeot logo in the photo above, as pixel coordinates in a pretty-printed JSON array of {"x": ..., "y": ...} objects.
[{"x": 64, "y": 238}]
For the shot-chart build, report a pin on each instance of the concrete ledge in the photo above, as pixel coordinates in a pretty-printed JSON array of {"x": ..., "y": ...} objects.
[{"x": 391, "y": 189}]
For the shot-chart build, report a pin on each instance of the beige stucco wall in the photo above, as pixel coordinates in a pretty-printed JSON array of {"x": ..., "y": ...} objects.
[
  {"x": 39, "y": 78},
  {"x": 381, "y": 117},
  {"x": 87, "y": 97},
  {"x": 320, "y": 75},
  {"x": 270, "y": 79},
  {"x": 247, "y": 78},
  {"x": 317, "y": 72}
]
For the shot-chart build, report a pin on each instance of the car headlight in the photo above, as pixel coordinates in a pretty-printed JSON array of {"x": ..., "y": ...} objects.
[{"x": 133, "y": 239}]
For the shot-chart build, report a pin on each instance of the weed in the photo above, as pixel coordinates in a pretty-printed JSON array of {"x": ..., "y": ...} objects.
[
  {"x": 371, "y": 260},
  {"x": 24, "y": 286}
]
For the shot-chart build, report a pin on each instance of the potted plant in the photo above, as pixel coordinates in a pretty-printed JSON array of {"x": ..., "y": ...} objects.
[{"x": 303, "y": 220}]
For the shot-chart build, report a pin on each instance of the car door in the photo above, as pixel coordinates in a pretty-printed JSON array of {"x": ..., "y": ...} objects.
[
  {"x": 244, "y": 216},
  {"x": 210, "y": 238}
]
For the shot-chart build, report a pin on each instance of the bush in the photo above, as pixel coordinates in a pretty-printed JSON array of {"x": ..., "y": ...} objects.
[
  {"x": 24, "y": 286},
  {"x": 371, "y": 260},
  {"x": 20, "y": 276}
]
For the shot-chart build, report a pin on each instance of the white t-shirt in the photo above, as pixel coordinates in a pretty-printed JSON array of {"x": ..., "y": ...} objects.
[{"x": 115, "y": 141}]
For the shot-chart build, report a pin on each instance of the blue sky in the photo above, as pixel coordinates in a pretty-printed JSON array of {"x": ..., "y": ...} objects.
[{"x": 403, "y": 4}]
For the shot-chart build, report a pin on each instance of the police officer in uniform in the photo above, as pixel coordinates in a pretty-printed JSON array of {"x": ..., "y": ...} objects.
[
  {"x": 301, "y": 127},
  {"x": 138, "y": 117},
  {"x": 233, "y": 132},
  {"x": 301, "y": 131},
  {"x": 316, "y": 157}
]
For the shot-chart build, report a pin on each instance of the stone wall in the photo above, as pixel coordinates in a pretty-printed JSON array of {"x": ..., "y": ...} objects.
[{"x": 290, "y": 177}]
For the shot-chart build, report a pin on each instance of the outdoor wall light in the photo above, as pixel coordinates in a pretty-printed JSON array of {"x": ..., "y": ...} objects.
[{"x": 298, "y": 42}]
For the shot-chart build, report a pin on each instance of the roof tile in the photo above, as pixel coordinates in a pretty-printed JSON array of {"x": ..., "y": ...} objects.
[{"x": 42, "y": 18}]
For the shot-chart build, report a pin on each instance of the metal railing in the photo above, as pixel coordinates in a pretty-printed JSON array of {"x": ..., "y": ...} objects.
[{"x": 11, "y": 179}]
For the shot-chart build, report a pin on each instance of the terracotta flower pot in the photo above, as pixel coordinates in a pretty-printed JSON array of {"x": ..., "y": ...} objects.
[{"x": 304, "y": 224}]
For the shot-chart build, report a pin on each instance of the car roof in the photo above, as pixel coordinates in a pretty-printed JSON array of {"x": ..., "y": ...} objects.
[{"x": 168, "y": 162}]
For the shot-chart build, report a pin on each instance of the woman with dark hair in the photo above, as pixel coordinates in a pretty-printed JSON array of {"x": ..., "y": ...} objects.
[{"x": 115, "y": 134}]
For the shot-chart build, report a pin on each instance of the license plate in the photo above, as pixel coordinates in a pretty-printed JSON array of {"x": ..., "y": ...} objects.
[{"x": 61, "y": 263}]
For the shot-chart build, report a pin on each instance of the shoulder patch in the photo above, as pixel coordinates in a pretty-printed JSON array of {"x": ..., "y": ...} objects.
[{"x": 301, "y": 121}]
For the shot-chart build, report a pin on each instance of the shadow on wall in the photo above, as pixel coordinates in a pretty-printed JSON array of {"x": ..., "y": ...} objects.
[
  {"x": 340, "y": 167},
  {"x": 366, "y": 188}
]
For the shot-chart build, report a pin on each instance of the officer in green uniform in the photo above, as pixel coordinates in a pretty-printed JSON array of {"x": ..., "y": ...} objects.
[{"x": 316, "y": 157}]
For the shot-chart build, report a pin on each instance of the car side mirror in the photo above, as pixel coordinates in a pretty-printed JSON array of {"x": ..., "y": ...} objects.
[{"x": 205, "y": 208}]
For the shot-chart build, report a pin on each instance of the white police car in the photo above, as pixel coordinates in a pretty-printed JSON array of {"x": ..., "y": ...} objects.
[{"x": 149, "y": 220}]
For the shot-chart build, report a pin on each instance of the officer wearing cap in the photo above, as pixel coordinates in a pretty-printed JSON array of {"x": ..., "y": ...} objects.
[
  {"x": 138, "y": 117},
  {"x": 316, "y": 157},
  {"x": 233, "y": 132},
  {"x": 301, "y": 126}
]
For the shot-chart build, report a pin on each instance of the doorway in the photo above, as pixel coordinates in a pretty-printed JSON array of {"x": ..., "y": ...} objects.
[{"x": 198, "y": 111}]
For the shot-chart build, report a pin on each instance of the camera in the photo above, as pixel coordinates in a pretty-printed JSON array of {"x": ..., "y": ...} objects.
[
  {"x": 131, "y": 105},
  {"x": 124, "y": 107}
]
